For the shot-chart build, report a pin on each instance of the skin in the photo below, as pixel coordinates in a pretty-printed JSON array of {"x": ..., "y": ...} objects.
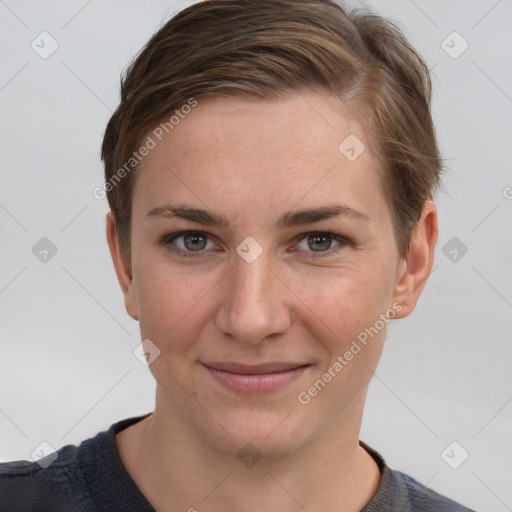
[{"x": 252, "y": 161}]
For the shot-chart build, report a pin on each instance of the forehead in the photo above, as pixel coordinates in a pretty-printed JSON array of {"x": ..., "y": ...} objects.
[
  {"x": 304, "y": 125},
  {"x": 229, "y": 151}
]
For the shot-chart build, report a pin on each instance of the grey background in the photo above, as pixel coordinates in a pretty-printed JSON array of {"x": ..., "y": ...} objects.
[{"x": 67, "y": 368}]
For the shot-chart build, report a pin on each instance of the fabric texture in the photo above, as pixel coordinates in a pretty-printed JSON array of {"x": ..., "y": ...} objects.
[{"x": 91, "y": 478}]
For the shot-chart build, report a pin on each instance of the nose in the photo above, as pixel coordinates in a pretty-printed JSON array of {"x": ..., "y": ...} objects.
[{"x": 255, "y": 303}]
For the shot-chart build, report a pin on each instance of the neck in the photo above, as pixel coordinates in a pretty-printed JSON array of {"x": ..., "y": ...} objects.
[{"x": 176, "y": 469}]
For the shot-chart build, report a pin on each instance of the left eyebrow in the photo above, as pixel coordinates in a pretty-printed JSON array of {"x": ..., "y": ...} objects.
[{"x": 288, "y": 219}]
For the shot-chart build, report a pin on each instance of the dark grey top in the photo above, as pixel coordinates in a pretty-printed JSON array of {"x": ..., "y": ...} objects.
[{"x": 91, "y": 478}]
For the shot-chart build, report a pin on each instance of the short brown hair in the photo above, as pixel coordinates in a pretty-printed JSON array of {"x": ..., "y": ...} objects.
[{"x": 267, "y": 49}]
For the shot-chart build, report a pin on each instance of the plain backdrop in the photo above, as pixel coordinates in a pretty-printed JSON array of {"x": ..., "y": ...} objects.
[{"x": 67, "y": 368}]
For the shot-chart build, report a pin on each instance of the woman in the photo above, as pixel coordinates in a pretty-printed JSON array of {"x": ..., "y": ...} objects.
[{"x": 270, "y": 172}]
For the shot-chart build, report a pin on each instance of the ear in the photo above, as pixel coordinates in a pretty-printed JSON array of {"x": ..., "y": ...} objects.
[
  {"x": 414, "y": 269},
  {"x": 122, "y": 267}
]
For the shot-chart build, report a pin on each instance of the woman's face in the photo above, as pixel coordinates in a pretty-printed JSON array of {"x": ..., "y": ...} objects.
[{"x": 270, "y": 287}]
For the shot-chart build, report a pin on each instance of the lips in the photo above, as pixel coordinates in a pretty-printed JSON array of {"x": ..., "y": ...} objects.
[
  {"x": 243, "y": 369},
  {"x": 255, "y": 379}
]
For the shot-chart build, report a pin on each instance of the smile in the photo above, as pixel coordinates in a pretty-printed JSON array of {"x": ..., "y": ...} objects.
[{"x": 247, "y": 381}]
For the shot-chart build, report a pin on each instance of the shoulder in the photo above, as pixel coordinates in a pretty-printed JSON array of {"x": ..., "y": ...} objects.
[
  {"x": 399, "y": 492},
  {"x": 85, "y": 478},
  {"x": 424, "y": 499},
  {"x": 44, "y": 485}
]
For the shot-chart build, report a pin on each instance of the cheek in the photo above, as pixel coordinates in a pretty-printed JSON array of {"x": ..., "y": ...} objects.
[
  {"x": 342, "y": 311},
  {"x": 172, "y": 302},
  {"x": 343, "y": 297}
]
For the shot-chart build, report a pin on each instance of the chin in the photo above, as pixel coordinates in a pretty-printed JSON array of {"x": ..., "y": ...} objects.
[{"x": 268, "y": 435}]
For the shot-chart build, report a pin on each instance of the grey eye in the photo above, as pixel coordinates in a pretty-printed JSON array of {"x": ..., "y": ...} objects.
[
  {"x": 191, "y": 242},
  {"x": 320, "y": 242}
]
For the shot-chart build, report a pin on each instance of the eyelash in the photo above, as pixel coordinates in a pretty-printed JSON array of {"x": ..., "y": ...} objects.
[{"x": 322, "y": 254}]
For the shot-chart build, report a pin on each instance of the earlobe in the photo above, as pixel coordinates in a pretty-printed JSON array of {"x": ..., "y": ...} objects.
[
  {"x": 122, "y": 267},
  {"x": 414, "y": 270}
]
